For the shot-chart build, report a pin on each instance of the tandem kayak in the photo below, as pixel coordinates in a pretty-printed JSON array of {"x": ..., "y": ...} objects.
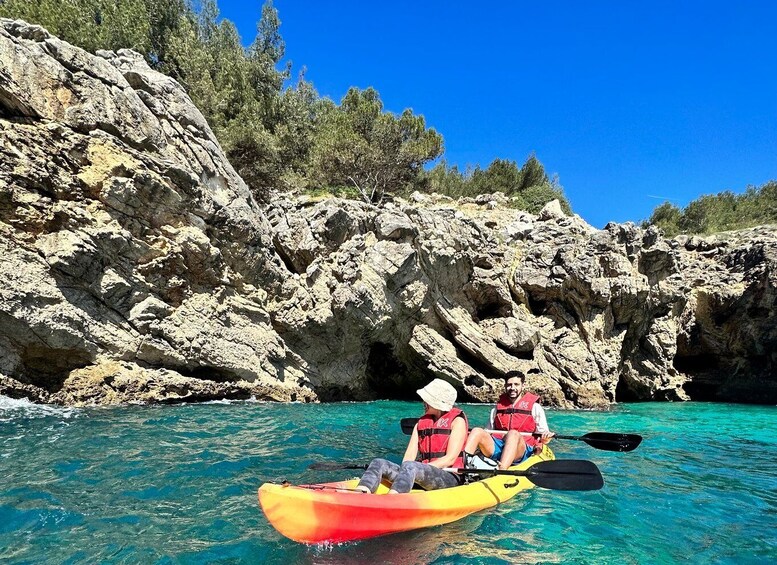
[{"x": 322, "y": 514}]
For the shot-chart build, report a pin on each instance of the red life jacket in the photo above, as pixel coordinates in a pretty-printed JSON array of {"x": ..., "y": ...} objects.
[
  {"x": 433, "y": 436},
  {"x": 517, "y": 416}
]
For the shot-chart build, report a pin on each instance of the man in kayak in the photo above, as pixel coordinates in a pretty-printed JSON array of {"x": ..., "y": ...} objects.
[
  {"x": 518, "y": 413},
  {"x": 436, "y": 443}
]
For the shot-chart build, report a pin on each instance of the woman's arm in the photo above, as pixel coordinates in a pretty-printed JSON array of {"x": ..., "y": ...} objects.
[
  {"x": 455, "y": 444},
  {"x": 412, "y": 446}
]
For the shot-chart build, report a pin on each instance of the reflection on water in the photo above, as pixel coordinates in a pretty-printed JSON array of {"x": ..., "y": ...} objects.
[
  {"x": 483, "y": 537},
  {"x": 413, "y": 548}
]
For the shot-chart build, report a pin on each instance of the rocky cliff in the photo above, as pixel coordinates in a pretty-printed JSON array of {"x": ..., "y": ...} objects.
[{"x": 136, "y": 266}]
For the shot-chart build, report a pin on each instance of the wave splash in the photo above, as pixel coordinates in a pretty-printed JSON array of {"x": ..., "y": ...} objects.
[{"x": 19, "y": 408}]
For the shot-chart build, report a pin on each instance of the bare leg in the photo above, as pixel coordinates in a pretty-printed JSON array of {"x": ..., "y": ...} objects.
[
  {"x": 514, "y": 448},
  {"x": 480, "y": 439}
]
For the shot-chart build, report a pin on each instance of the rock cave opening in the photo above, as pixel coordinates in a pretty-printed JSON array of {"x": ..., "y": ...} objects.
[
  {"x": 626, "y": 391},
  {"x": 489, "y": 310},
  {"x": 474, "y": 380},
  {"x": 703, "y": 372},
  {"x": 205, "y": 373},
  {"x": 536, "y": 305},
  {"x": 481, "y": 367},
  {"x": 334, "y": 393},
  {"x": 692, "y": 364},
  {"x": 528, "y": 355},
  {"x": 701, "y": 391},
  {"x": 48, "y": 367},
  {"x": 387, "y": 376}
]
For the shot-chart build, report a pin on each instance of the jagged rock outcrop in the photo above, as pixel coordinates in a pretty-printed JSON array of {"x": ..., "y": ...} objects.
[
  {"x": 125, "y": 234},
  {"x": 136, "y": 267},
  {"x": 469, "y": 291}
]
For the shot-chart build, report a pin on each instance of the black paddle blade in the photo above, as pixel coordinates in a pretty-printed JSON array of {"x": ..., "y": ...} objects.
[
  {"x": 407, "y": 425},
  {"x": 562, "y": 474},
  {"x": 332, "y": 466},
  {"x": 566, "y": 474},
  {"x": 612, "y": 442}
]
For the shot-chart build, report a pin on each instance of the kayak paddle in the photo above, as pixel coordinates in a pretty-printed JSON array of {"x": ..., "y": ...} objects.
[
  {"x": 561, "y": 474},
  {"x": 599, "y": 440},
  {"x": 332, "y": 466}
]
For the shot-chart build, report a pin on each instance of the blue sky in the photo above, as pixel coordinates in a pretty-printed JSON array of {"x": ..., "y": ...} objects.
[{"x": 631, "y": 103}]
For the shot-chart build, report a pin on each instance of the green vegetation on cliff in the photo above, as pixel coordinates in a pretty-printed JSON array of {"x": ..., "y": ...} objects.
[
  {"x": 280, "y": 137},
  {"x": 528, "y": 186},
  {"x": 358, "y": 144},
  {"x": 724, "y": 211}
]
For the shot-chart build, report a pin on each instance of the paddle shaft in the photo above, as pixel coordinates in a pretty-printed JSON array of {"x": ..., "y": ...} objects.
[
  {"x": 331, "y": 466},
  {"x": 564, "y": 474},
  {"x": 555, "y": 436},
  {"x": 535, "y": 434},
  {"x": 606, "y": 441}
]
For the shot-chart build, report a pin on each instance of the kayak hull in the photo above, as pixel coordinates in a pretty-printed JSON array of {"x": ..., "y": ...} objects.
[{"x": 321, "y": 514}]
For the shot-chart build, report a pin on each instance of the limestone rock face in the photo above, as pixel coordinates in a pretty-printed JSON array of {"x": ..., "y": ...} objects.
[
  {"x": 135, "y": 266},
  {"x": 125, "y": 234},
  {"x": 470, "y": 291},
  {"x": 113, "y": 382}
]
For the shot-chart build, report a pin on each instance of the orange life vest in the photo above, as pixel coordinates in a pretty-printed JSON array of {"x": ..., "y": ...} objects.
[
  {"x": 433, "y": 436},
  {"x": 517, "y": 416}
]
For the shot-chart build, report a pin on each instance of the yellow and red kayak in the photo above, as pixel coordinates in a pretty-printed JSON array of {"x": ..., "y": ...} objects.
[{"x": 322, "y": 514}]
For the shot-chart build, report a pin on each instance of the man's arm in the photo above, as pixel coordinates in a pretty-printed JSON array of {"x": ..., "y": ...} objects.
[{"x": 538, "y": 413}]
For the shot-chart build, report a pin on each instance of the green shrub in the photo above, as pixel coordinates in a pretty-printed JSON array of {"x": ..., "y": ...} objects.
[
  {"x": 358, "y": 144},
  {"x": 529, "y": 187},
  {"x": 714, "y": 213}
]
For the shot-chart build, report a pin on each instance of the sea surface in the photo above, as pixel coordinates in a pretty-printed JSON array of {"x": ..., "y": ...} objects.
[{"x": 177, "y": 484}]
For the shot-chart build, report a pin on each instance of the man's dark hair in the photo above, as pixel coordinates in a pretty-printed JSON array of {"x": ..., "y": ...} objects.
[{"x": 511, "y": 374}]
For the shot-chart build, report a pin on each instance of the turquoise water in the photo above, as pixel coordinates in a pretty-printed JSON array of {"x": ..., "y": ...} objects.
[{"x": 177, "y": 484}]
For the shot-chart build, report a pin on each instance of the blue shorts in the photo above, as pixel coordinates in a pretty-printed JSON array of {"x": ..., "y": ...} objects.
[{"x": 499, "y": 445}]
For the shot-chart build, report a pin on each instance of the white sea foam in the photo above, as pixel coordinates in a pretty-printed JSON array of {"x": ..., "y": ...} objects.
[
  {"x": 16, "y": 408},
  {"x": 251, "y": 400},
  {"x": 223, "y": 401}
]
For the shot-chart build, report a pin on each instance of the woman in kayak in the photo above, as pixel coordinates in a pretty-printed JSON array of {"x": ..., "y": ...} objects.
[{"x": 437, "y": 442}]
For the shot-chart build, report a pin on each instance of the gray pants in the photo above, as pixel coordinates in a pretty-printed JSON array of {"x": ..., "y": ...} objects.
[{"x": 402, "y": 477}]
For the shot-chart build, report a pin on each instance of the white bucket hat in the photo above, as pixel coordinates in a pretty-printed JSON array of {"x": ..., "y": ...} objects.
[{"x": 438, "y": 394}]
